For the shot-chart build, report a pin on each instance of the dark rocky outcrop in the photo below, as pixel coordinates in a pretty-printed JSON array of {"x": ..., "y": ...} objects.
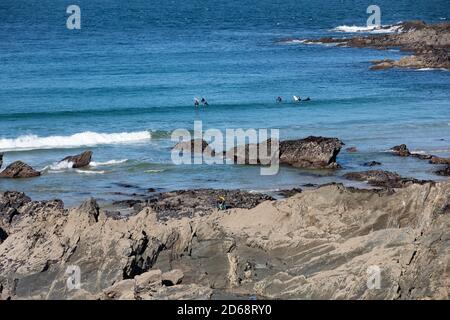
[
  {"x": 444, "y": 172},
  {"x": 199, "y": 145},
  {"x": 439, "y": 160},
  {"x": 289, "y": 192},
  {"x": 1, "y": 160},
  {"x": 80, "y": 160},
  {"x": 430, "y": 44},
  {"x": 372, "y": 164},
  {"x": 187, "y": 203},
  {"x": 385, "y": 179},
  {"x": 311, "y": 152},
  {"x": 19, "y": 169},
  {"x": 401, "y": 150}
]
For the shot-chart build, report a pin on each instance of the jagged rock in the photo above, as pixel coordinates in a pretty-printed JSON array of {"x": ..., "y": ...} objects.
[
  {"x": 319, "y": 244},
  {"x": 311, "y": 152},
  {"x": 149, "y": 280},
  {"x": 401, "y": 150},
  {"x": 92, "y": 210},
  {"x": 380, "y": 178},
  {"x": 439, "y": 160},
  {"x": 372, "y": 164},
  {"x": 19, "y": 169},
  {"x": 429, "y": 42},
  {"x": 122, "y": 290},
  {"x": 195, "y": 145},
  {"x": 3, "y": 235},
  {"x": 444, "y": 172},
  {"x": 289, "y": 192},
  {"x": 187, "y": 203},
  {"x": 172, "y": 277},
  {"x": 80, "y": 160}
]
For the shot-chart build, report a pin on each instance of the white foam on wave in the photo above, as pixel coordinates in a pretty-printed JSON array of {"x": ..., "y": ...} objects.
[
  {"x": 368, "y": 29},
  {"x": 107, "y": 163},
  {"x": 90, "y": 171},
  {"x": 59, "y": 166},
  {"x": 88, "y": 138}
]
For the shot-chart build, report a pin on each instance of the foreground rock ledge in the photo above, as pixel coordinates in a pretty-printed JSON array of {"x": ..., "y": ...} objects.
[{"x": 315, "y": 244}]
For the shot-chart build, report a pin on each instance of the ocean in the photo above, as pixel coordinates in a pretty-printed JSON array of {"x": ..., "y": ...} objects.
[{"x": 133, "y": 69}]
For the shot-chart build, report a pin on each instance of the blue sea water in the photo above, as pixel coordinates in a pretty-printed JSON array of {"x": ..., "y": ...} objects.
[{"x": 135, "y": 67}]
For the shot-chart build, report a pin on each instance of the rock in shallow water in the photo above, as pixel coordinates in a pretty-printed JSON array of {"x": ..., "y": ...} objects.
[
  {"x": 80, "y": 160},
  {"x": 19, "y": 169},
  {"x": 386, "y": 179},
  {"x": 311, "y": 152}
]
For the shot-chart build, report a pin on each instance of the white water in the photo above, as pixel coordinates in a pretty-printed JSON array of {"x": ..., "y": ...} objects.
[
  {"x": 368, "y": 29},
  {"x": 88, "y": 138}
]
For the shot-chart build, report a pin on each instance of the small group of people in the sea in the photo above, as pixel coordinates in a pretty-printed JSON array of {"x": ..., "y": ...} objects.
[
  {"x": 202, "y": 101},
  {"x": 294, "y": 98}
]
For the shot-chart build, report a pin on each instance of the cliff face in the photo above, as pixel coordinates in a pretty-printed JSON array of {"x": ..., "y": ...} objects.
[{"x": 316, "y": 244}]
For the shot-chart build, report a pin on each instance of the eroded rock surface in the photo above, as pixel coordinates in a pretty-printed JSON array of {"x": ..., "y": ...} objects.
[
  {"x": 430, "y": 44},
  {"x": 311, "y": 152},
  {"x": 380, "y": 178},
  {"x": 80, "y": 160},
  {"x": 316, "y": 244},
  {"x": 19, "y": 169}
]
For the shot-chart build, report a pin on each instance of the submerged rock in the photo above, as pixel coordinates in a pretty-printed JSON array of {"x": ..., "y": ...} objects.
[
  {"x": 439, "y": 160},
  {"x": 372, "y": 164},
  {"x": 19, "y": 169},
  {"x": 444, "y": 172},
  {"x": 351, "y": 149},
  {"x": 381, "y": 178},
  {"x": 80, "y": 160}
]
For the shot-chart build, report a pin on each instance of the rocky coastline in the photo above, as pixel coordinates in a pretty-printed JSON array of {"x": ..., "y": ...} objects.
[
  {"x": 429, "y": 43},
  {"x": 314, "y": 244}
]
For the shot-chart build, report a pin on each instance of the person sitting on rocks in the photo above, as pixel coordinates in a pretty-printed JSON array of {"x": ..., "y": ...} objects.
[{"x": 221, "y": 205}]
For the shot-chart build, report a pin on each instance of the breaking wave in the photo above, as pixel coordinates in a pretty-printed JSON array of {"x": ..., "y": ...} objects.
[
  {"x": 368, "y": 29},
  {"x": 88, "y": 138},
  {"x": 107, "y": 163}
]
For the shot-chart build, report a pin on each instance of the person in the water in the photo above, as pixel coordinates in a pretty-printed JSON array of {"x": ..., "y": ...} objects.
[
  {"x": 205, "y": 103},
  {"x": 296, "y": 98},
  {"x": 279, "y": 99},
  {"x": 196, "y": 102},
  {"x": 307, "y": 99}
]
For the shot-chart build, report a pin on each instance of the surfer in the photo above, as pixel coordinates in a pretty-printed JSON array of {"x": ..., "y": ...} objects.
[
  {"x": 196, "y": 102},
  {"x": 296, "y": 98},
  {"x": 307, "y": 99},
  {"x": 204, "y": 102},
  {"x": 279, "y": 99}
]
